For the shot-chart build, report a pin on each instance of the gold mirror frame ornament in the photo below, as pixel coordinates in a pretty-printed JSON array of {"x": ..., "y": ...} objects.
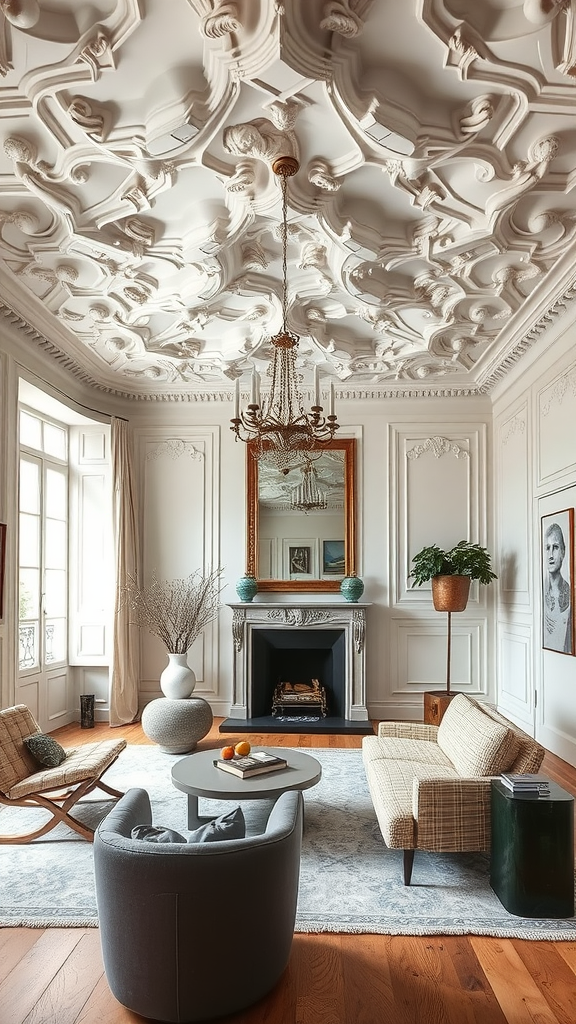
[{"x": 348, "y": 446}]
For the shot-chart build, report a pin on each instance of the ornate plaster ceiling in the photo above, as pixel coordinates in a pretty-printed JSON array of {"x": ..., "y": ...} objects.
[{"x": 432, "y": 208}]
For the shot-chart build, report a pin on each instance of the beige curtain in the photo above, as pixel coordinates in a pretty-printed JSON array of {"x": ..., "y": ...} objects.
[{"x": 126, "y": 644}]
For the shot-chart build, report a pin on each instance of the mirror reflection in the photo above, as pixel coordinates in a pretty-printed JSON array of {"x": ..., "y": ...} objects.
[{"x": 302, "y": 520}]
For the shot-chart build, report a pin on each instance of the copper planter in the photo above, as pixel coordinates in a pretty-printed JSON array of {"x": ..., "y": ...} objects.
[{"x": 450, "y": 593}]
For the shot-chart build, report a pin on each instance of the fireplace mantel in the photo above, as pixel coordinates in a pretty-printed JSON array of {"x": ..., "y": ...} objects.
[{"x": 348, "y": 617}]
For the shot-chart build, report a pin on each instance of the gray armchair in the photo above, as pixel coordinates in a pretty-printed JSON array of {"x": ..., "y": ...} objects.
[{"x": 195, "y": 931}]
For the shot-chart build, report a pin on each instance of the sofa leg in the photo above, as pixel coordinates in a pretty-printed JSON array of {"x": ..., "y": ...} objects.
[{"x": 408, "y": 862}]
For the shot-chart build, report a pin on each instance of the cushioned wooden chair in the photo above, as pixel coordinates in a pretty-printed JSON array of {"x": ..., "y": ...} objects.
[{"x": 23, "y": 783}]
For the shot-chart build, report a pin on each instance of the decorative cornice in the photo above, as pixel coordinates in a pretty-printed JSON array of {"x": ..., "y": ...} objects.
[{"x": 557, "y": 308}]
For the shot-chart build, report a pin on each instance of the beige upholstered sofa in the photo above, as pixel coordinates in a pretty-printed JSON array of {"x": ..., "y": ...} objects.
[{"x": 430, "y": 785}]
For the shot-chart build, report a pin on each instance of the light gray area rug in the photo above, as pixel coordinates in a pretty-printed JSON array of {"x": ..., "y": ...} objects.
[{"x": 350, "y": 881}]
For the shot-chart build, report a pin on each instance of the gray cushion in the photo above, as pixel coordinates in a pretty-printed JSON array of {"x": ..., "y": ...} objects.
[
  {"x": 45, "y": 750},
  {"x": 157, "y": 834},
  {"x": 227, "y": 826}
]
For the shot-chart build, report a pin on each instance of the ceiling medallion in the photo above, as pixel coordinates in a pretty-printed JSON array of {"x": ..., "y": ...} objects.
[{"x": 278, "y": 424}]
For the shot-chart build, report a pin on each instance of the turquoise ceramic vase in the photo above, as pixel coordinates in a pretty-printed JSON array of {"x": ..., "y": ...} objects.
[
  {"x": 352, "y": 588},
  {"x": 246, "y": 588}
]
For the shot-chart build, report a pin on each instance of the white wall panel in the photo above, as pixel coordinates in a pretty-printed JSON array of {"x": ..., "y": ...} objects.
[
  {"x": 57, "y": 698},
  {"x": 179, "y": 496},
  {"x": 419, "y": 652},
  {"x": 556, "y": 429},
  {"x": 515, "y": 516},
  {"x": 438, "y": 478},
  {"x": 516, "y": 696}
]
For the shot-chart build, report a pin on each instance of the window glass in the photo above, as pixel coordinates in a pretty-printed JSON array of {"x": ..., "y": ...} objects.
[
  {"x": 30, "y": 430},
  {"x": 54, "y": 640},
  {"x": 55, "y": 592},
  {"x": 29, "y": 486},
  {"x": 55, "y": 544},
  {"x": 29, "y": 540},
  {"x": 56, "y": 497},
  {"x": 55, "y": 440}
]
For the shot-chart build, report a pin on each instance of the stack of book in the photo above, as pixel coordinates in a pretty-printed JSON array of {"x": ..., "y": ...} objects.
[
  {"x": 526, "y": 784},
  {"x": 258, "y": 763}
]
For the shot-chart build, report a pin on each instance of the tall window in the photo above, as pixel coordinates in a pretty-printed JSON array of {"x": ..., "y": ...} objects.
[{"x": 43, "y": 505}]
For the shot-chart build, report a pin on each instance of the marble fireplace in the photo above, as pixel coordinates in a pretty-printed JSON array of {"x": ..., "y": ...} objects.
[{"x": 298, "y": 642}]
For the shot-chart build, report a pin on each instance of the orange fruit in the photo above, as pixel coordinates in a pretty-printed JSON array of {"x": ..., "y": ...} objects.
[
  {"x": 242, "y": 748},
  {"x": 227, "y": 753}
]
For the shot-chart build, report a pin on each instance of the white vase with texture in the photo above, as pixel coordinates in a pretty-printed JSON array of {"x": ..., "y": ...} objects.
[{"x": 177, "y": 681}]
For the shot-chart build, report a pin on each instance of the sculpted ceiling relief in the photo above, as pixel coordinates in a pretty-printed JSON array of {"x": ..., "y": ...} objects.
[{"x": 139, "y": 215}]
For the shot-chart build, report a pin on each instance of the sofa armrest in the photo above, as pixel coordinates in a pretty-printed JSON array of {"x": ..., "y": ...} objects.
[
  {"x": 452, "y": 814},
  {"x": 408, "y": 730}
]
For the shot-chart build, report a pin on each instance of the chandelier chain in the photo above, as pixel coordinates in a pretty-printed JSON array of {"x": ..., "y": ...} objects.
[{"x": 278, "y": 426}]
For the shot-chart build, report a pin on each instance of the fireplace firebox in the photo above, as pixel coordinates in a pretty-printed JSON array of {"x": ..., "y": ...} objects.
[
  {"x": 298, "y": 644},
  {"x": 296, "y": 656}
]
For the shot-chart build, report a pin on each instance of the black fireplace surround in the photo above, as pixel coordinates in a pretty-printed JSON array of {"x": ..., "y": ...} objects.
[{"x": 297, "y": 656}]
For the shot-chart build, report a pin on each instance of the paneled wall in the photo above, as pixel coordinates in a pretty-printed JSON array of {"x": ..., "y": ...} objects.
[
  {"x": 535, "y": 461},
  {"x": 178, "y": 473},
  {"x": 438, "y": 495}
]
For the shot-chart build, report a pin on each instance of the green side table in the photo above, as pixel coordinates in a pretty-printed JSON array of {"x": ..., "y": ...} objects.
[{"x": 532, "y": 852}]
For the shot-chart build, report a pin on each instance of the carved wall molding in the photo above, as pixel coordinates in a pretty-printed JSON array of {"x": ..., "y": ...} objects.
[
  {"x": 438, "y": 446},
  {"x": 556, "y": 394},
  {"x": 517, "y": 425},
  {"x": 174, "y": 448}
]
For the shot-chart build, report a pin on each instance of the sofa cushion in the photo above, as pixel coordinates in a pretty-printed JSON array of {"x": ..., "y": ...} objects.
[
  {"x": 391, "y": 785},
  {"x": 394, "y": 748},
  {"x": 474, "y": 742},
  {"x": 529, "y": 754}
]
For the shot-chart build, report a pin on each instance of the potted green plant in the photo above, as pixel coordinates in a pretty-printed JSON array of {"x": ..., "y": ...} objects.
[
  {"x": 461, "y": 564},
  {"x": 451, "y": 573}
]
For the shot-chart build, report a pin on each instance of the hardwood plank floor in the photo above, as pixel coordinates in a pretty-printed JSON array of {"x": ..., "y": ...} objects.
[{"x": 55, "y": 976}]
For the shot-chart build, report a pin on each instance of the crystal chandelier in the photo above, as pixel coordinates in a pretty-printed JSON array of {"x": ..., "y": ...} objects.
[
  {"x": 307, "y": 496},
  {"x": 278, "y": 425}
]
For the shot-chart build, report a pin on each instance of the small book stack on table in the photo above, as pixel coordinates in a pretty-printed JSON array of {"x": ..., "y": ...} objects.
[
  {"x": 526, "y": 784},
  {"x": 258, "y": 763}
]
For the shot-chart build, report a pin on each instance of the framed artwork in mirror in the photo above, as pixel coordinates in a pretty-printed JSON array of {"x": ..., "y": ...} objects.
[
  {"x": 302, "y": 538},
  {"x": 333, "y": 560}
]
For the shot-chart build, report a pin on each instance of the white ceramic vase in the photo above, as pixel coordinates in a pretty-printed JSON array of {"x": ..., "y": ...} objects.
[{"x": 177, "y": 681}]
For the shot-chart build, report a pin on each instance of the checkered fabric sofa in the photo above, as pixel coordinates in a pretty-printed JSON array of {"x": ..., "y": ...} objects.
[{"x": 430, "y": 785}]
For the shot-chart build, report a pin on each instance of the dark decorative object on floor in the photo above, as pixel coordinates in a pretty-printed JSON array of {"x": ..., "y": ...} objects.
[{"x": 86, "y": 710}]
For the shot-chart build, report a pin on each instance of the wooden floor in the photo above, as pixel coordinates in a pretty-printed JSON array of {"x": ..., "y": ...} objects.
[{"x": 55, "y": 976}]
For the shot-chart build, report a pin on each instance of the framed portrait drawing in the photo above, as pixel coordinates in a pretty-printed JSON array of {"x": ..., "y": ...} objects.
[
  {"x": 333, "y": 558},
  {"x": 2, "y": 566},
  {"x": 557, "y": 550}
]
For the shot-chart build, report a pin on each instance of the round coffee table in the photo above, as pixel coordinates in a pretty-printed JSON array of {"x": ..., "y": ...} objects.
[{"x": 196, "y": 776}]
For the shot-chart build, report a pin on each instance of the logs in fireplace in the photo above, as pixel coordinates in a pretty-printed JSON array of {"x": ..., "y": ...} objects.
[{"x": 297, "y": 698}]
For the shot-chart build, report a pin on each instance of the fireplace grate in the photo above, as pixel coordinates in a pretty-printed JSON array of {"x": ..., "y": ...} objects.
[{"x": 299, "y": 696}]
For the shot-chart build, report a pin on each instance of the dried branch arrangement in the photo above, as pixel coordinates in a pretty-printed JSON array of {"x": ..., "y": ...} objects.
[{"x": 176, "y": 611}]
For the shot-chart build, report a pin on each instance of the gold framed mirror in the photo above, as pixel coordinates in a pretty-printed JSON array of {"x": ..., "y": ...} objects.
[{"x": 301, "y": 525}]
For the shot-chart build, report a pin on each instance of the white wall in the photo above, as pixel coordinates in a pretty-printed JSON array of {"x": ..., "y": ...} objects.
[
  {"x": 535, "y": 475},
  {"x": 426, "y": 473}
]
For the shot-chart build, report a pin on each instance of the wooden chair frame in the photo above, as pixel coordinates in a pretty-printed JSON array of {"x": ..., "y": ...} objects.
[{"x": 59, "y": 803}]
